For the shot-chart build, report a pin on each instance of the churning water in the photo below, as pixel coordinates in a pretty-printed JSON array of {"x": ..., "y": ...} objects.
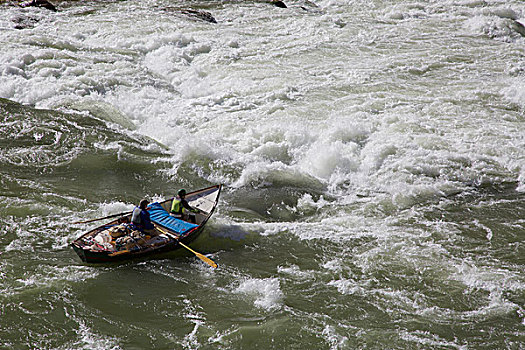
[{"x": 373, "y": 156}]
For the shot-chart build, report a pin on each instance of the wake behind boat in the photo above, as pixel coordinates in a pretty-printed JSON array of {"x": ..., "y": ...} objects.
[{"x": 119, "y": 240}]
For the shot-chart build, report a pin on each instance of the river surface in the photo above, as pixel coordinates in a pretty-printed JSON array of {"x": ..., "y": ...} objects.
[{"x": 372, "y": 152}]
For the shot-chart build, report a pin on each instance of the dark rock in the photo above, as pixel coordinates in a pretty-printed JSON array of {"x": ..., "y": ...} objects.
[
  {"x": 278, "y": 3},
  {"x": 39, "y": 3},
  {"x": 22, "y": 22},
  {"x": 311, "y": 7},
  {"x": 199, "y": 14},
  {"x": 520, "y": 28},
  {"x": 194, "y": 14}
]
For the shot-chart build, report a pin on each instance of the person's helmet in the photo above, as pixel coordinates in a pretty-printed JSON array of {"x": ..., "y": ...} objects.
[
  {"x": 143, "y": 203},
  {"x": 182, "y": 192}
]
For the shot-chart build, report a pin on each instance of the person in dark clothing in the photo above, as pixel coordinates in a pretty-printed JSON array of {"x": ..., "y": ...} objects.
[
  {"x": 180, "y": 207},
  {"x": 141, "y": 218}
]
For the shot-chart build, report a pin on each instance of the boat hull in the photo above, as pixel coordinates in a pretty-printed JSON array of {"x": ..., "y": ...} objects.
[
  {"x": 92, "y": 256},
  {"x": 99, "y": 257}
]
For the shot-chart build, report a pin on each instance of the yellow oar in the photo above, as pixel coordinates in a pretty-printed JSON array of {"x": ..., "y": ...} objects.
[{"x": 199, "y": 255}]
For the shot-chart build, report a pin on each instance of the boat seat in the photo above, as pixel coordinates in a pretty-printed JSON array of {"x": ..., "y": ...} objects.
[{"x": 161, "y": 217}]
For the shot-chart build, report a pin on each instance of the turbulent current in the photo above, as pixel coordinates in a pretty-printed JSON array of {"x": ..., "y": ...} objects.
[{"x": 372, "y": 155}]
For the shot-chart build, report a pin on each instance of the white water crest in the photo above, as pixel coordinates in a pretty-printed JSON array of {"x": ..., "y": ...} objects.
[{"x": 266, "y": 292}]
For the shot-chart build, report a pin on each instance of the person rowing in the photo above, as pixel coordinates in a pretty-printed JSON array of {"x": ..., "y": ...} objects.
[
  {"x": 180, "y": 207},
  {"x": 141, "y": 218}
]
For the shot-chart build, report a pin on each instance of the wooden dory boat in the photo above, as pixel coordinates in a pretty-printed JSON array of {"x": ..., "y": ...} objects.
[{"x": 115, "y": 241}]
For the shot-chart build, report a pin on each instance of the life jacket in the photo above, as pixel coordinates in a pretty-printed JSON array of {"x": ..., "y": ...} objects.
[
  {"x": 177, "y": 207},
  {"x": 136, "y": 218}
]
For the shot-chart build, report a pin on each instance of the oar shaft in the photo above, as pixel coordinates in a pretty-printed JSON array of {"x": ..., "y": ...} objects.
[
  {"x": 199, "y": 255},
  {"x": 105, "y": 217},
  {"x": 185, "y": 246}
]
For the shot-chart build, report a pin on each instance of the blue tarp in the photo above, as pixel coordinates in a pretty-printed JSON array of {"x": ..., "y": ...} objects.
[{"x": 160, "y": 216}]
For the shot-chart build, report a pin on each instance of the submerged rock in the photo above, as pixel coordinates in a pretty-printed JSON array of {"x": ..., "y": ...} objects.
[
  {"x": 194, "y": 14},
  {"x": 22, "y": 22},
  {"x": 39, "y": 3}
]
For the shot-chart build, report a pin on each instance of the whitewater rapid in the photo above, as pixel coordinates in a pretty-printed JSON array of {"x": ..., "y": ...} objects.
[{"x": 372, "y": 152}]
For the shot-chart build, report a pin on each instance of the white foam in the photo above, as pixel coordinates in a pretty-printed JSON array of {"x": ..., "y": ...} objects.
[
  {"x": 334, "y": 265},
  {"x": 498, "y": 26},
  {"x": 496, "y": 282},
  {"x": 89, "y": 338},
  {"x": 46, "y": 276},
  {"x": 428, "y": 339},
  {"x": 515, "y": 92},
  {"x": 334, "y": 338},
  {"x": 199, "y": 94},
  {"x": 266, "y": 292},
  {"x": 348, "y": 287},
  {"x": 521, "y": 181},
  {"x": 484, "y": 277},
  {"x": 115, "y": 208},
  {"x": 307, "y": 205},
  {"x": 217, "y": 96},
  {"x": 295, "y": 272}
]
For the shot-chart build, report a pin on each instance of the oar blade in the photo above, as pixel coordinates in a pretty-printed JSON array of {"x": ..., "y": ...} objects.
[
  {"x": 207, "y": 260},
  {"x": 199, "y": 255}
]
